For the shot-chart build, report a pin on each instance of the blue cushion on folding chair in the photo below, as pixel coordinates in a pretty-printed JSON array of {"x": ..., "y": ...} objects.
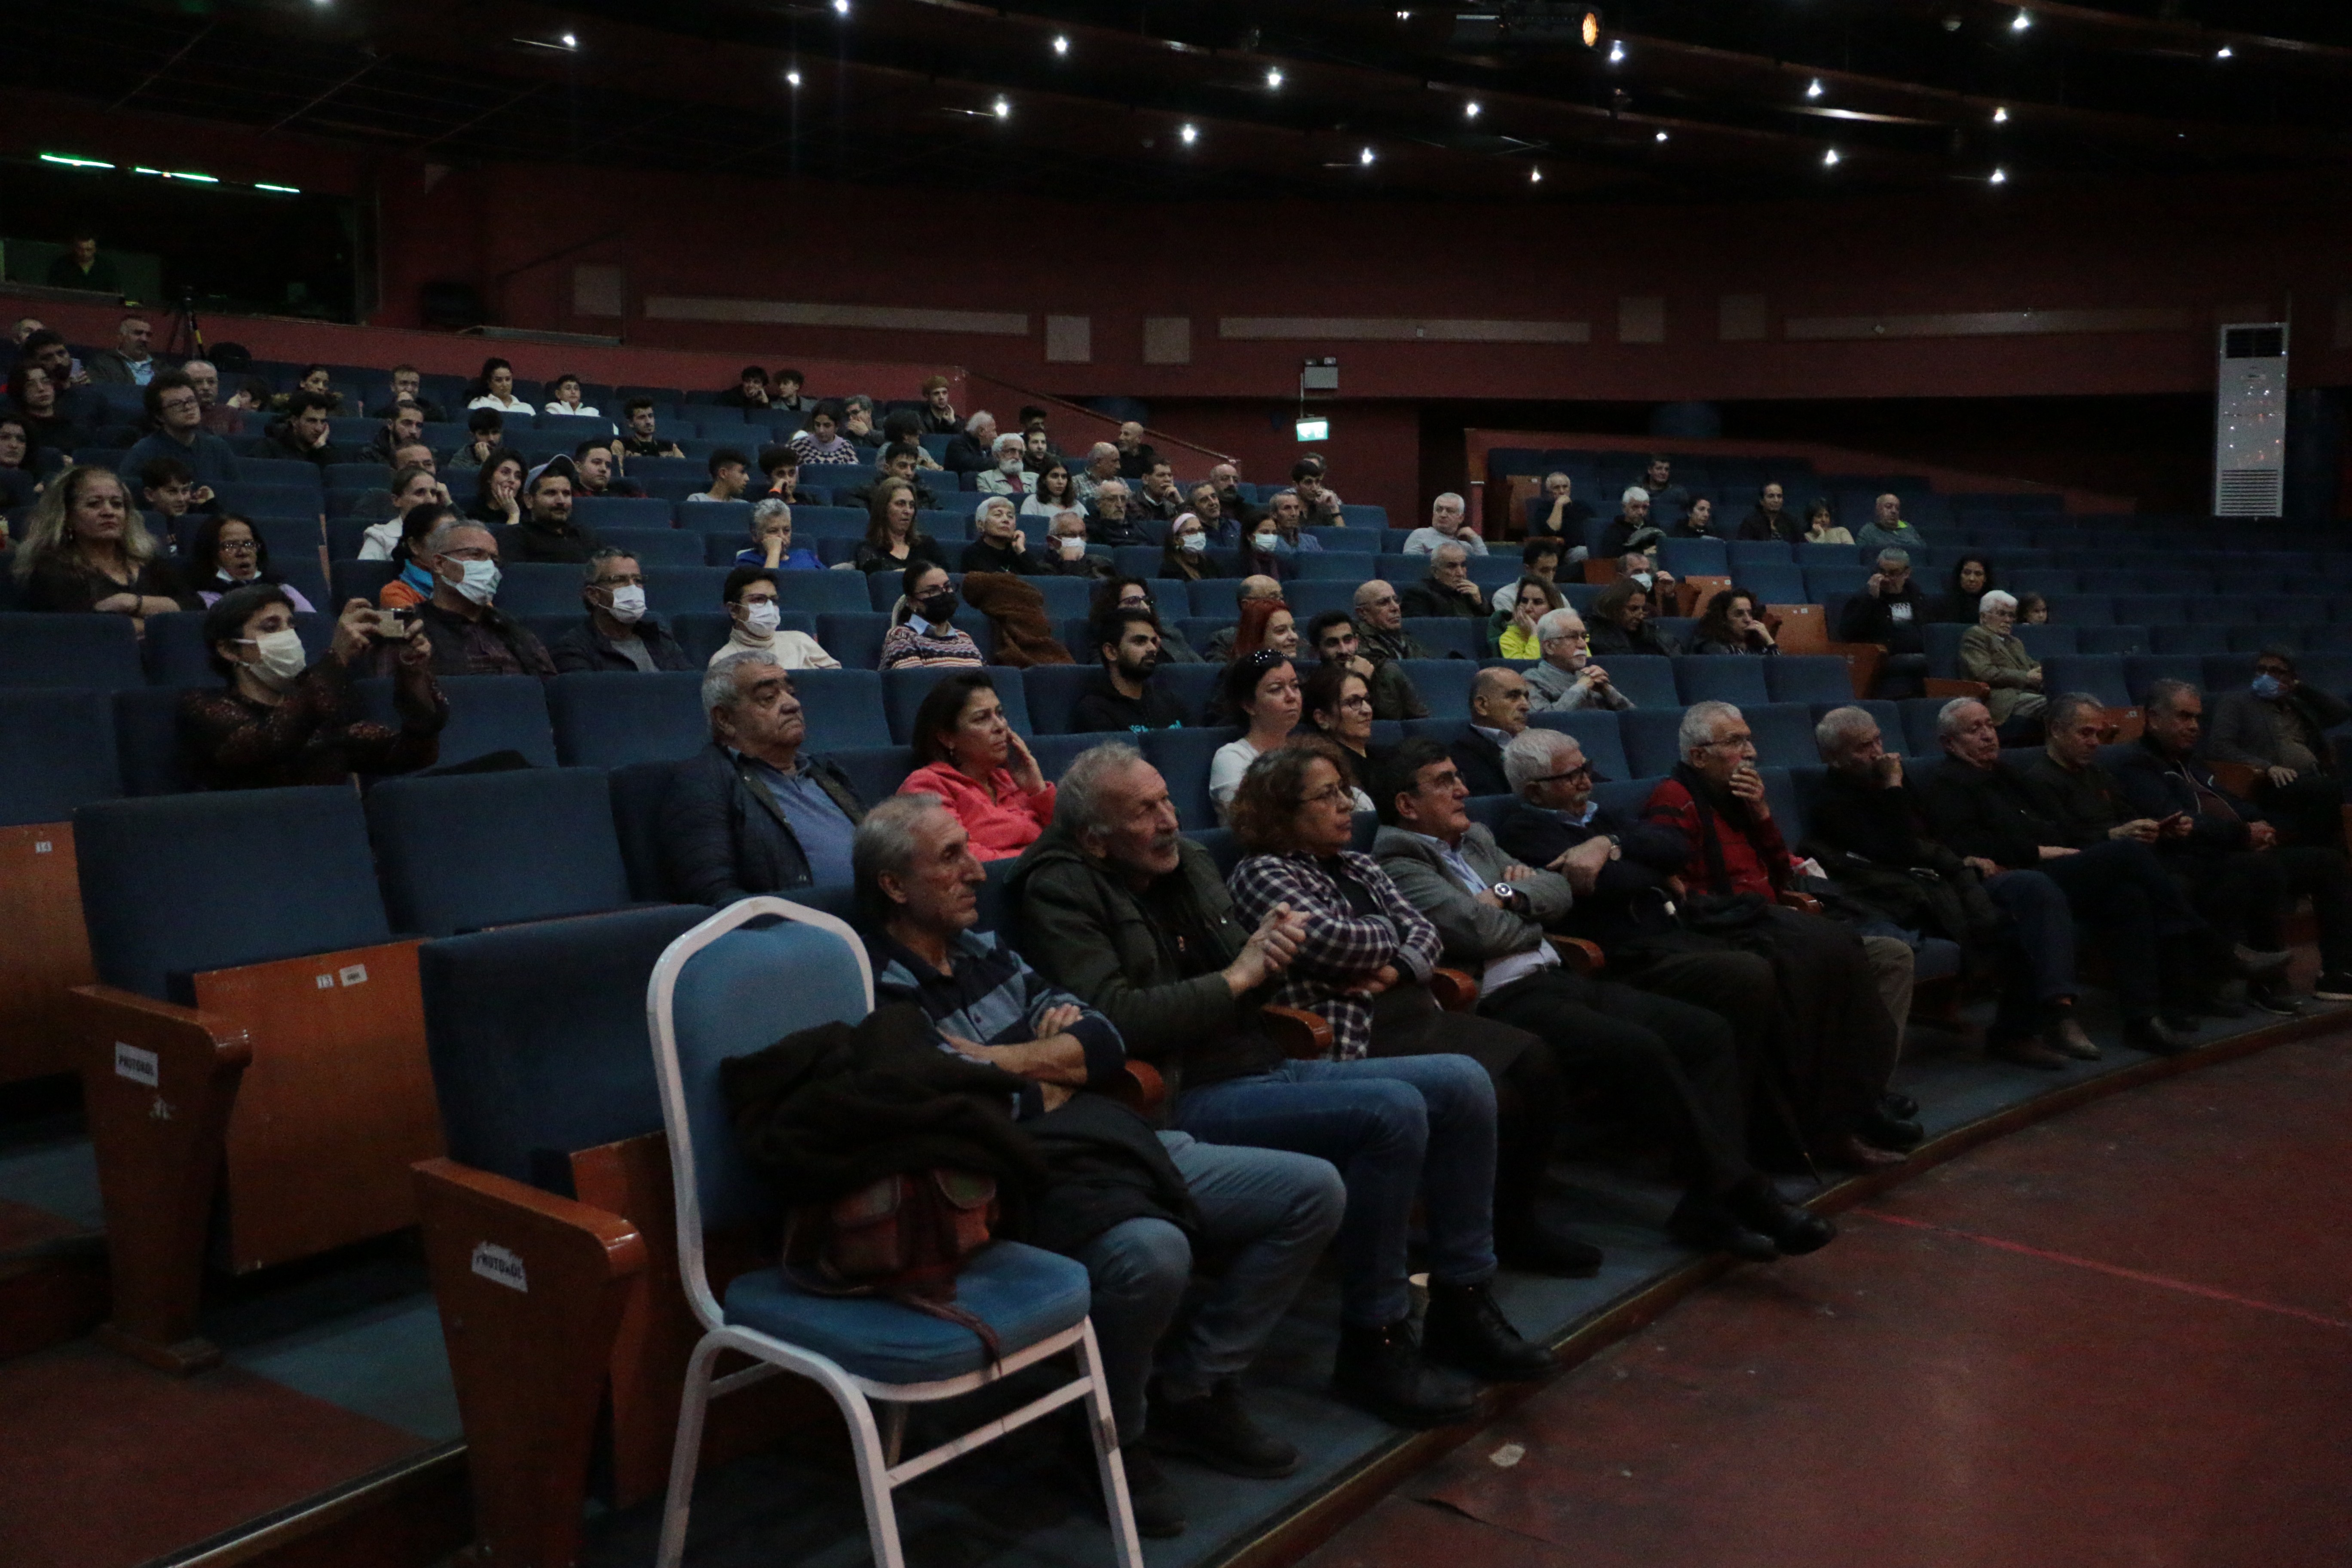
[
  {"x": 1718, "y": 677},
  {"x": 606, "y": 718},
  {"x": 539, "y": 844},
  {"x": 1808, "y": 678},
  {"x": 820, "y": 593},
  {"x": 639, "y": 791},
  {"x": 1644, "y": 678},
  {"x": 843, "y": 707},
  {"x": 1444, "y": 684},
  {"x": 1447, "y": 635},
  {"x": 1784, "y": 734},
  {"x": 1651, "y": 747},
  {"x": 60, "y": 754},
  {"x": 1052, "y": 691},
  {"x": 1182, "y": 758},
  {"x": 91, "y": 652},
  {"x": 158, "y": 905},
  {"x": 1598, "y": 732},
  {"x": 1022, "y": 1293}
]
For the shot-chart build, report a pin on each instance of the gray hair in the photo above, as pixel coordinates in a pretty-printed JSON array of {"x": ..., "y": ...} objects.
[
  {"x": 857, "y": 400},
  {"x": 1633, "y": 493},
  {"x": 770, "y": 506},
  {"x": 208, "y": 364},
  {"x": 2160, "y": 692},
  {"x": 1105, "y": 487},
  {"x": 1070, "y": 511},
  {"x": 1535, "y": 753},
  {"x": 1078, "y": 797},
  {"x": 1444, "y": 496},
  {"x": 437, "y": 541},
  {"x": 1556, "y": 624},
  {"x": 603, "y": 552},
  {"x": 1948, "y": 717},
  {"x": 1891, "y": 556},
  {"x": 1008, "y": 440},
  {"x": 1699, "y": 725},
  {"x": 971, "y": 425},
  {"x": 2064, "y": 706},
  {"x": 1100, "y": 449},
  {"x": 1842, "y": 730},
  {"x": 884, "y": 845},
  {"x": 1449, "y": 550},
  {"x": 1995, "y": 599},
  {"x": 719, "y": 688}
]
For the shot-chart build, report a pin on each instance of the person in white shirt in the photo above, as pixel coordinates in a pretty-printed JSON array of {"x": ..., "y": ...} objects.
[
  {"x": 750, "y": 595},
  {"x": 563, "y": 396},
  {"x": 1260, "y": 689},
  {"x": 1449, "y": 522},
  {"x": 494, "y": 388}
]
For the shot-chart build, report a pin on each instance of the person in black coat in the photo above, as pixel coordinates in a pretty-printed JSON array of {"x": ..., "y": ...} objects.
[
  {"x": 1448, "y": 589},
  {"x": 1771, "y": 519},
  {"x": 971, "y": 453},
  {"x": 616, "y": 634},
  {"x": 1498, "y": 712},
  {"x": 751, "y": 812},
  {"x": 1891, "y": 611}
]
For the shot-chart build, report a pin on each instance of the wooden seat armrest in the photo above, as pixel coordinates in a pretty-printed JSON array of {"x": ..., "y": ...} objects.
[
  {"x": 1581, "y": 956},
  {"x": 1455, "y": 991},
  {"x": 1140, "y": 1089},
  {"x": 1804, "y": 903},
  {"x": 100, "y": 1008},
  {"x": 2241, "y": 779},
  {"x": 1303, "y": 1035},
  {"x": 487, "y": 1200},
  {"x": 1938, "y": 687}
]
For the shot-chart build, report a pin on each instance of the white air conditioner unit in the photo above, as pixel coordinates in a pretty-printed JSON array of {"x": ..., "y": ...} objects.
[{"x": 2250, "y": 422}]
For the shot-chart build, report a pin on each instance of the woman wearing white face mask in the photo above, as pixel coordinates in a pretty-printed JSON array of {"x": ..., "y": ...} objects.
[
  {"x": 751, "y": 599},
  {"x": 280, "y": 719},
  {"x": 1187, "y": 552},
  {"x": 618, "y": 634}
]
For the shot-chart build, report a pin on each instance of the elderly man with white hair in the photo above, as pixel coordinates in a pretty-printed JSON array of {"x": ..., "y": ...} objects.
[
  {"x": 1448, "y": 589},
  {"x": 1009, "y": 473},
  {"x": 1848, "y": 993},
  {"x": 972, "y": 452},
  {"x": 1448, "y": 523},
  {"x": 1567, "y": 679},
  {"x": 1991, "y": 652},
  {"x": 1632, "y": 528},
  {"x": 1102, "y": 468}
]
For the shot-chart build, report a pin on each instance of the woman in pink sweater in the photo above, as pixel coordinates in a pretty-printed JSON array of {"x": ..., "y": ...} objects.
[{"x": 975, "y": 763}]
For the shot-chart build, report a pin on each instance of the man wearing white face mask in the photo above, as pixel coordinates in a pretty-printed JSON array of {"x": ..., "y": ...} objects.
[
  {"x": 282, "y": 721},
  {"x": 751, "y": 601},
  {"x": 1065, "y": 547},
  {"x": 469, "y": 635},
  {"x": 617, "y": 633}
]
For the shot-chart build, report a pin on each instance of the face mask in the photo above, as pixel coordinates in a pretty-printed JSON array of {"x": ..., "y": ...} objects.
[
  {"x": 1265, "y": 542},
  {"x": 282, "y": 657},
  {"x": 1194, "y": 543},
  {"x": 481, "y": 580},
  {"x": 1072, "y": 547},
  {"x": 937, "y": 609},
  {"x": 629, "y": 605},
  {"x": 2268, "y": 686},
  {"x": 1644, "y": 578},
  {"x": 763, "y": 618}
]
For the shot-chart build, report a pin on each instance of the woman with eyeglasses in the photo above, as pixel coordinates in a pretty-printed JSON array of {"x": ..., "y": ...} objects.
[
  {"x": 1260, "y": 691},
  {"x": 1338, "y": 703},
  {"x": 229, "y": 554}
]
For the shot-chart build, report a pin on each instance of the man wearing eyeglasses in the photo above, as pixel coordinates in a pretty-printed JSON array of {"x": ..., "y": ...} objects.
[
  {"x": 1567, "y": 680},
  {"x": 178, "y": 416},
  {"x": 616, "y": 634}
]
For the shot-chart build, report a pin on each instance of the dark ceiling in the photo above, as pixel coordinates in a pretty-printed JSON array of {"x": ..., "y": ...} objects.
[{"x": 1678, "y": 100}]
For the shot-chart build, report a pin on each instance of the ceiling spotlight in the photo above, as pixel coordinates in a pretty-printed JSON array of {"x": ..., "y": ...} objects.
[
  {"x": 2001, "y": 115},
  {"x": 1813, "y": 88},
  {"x": 2021, "y": 21},
  {"x": 792, "y": 78},
  {"x": 1003, "y": 110},
  {"x": 1616, "y": 51},
  {"x": 1829, "y": 159},
  {"x": 1662, "y": 135},
  {"x": 841, "y": 7},
  {"x": 1535, "y": 176},
  {"x": 1274, "y": 76},
  {"x": 2001, "y": 176},
  {"x": 1060, "y": 45},
  {"x": 2222, "y": 53},
  {"x": 1191, "y": 133},
  {"x": 570, "y": 41},
  {"x": 1470, "y": 109},
  {"x": 1365, "y": 157}
]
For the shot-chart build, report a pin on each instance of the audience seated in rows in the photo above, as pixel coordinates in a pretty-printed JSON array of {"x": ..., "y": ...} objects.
[
  {"x": 1447, "y": 589},
  {"x": 821, "y": 445},
  {"x": 923, "y": 633},
  {"x": 226, "y": 554},
  {"x": 1538, "y": 558},
  {"x": 2279, "y": 724},
  {"x": 278, "y": 720},
  {"x": 1263, "y": 692},
  {"x": 566, "y": 399},
  {"x": 1822, "y": 526},
  {"x": 547, "y": 531},
  {"x": 1334, "y": 640},
  {"x": 1670, "y": 1068},
  {"x": 749, "y": 597},
  {"x": 1632, "y": 528},
  {"x": 1158, "y": 498},
  {"x": 468, "y": 632},
  {"x": 772, "y": 541},
  {"x": 974, "y": 451},
  {"x": 1511, "y": 634},
  {"x": 497, "y": 489},
  {"x": 408, "y": 386},
  {"x": 1621, "y": 620}
]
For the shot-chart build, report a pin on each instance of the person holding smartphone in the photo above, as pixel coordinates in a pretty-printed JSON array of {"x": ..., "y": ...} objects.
[{"x": 280, "y": 719}]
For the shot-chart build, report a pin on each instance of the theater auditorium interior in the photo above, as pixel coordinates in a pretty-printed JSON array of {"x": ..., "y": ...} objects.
[{"x": 1203, "y": 784}]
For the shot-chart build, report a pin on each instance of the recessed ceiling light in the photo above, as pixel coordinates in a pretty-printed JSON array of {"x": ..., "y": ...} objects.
[
  {"x": 1829, "y": 159},
  {"x": 1813, "y": 88},
  {"x": 571, "y": 40},
  {"x": 793, "y": 78},
  {"x": 2001, "y": 115},
  {"x": 1535, "y": 176},
  {"x": 1060, "y": 45},
  {"x": 1470, "y": 109},
  {"x": 1662, "y": 135},
  {"x": 2021, "y": 21},
  {"x": 841, "y": 7},
  {"x": 2001, "y": 176},
  {"x": 1274, "y": 76},
  {"x": 1191, "y": 133},
  {"x": 1364, "y": 157},
  {"x": 1003, "y": 110},
  {"x": 1616, "y": 51},
  {"x": 2222, "y": 53}
]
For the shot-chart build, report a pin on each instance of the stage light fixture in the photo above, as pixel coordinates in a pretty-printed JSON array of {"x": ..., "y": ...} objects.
[
  {"x": 1616, "y": 51},
  {"x": 792, "y": 78},
  {"x": 1829, "y": 159},
  {"x": 571, "y": 40},
  {"x": 1535, "y": 176},
  {"x": 2021, "y": 22},
  {"x": 2223, "y": 53},
  {"x": 1274, "y": 76},
  {"x": 2001, "y": 176},
  {"x": 1191, "y": 133},
  {"x": 1662, "y": 136},
  {"x": 2001, "y": 115},
  {"x": 1003, "y": 110},
  {"x": 1470, "y": 109},
  {"x": 1813, "y": 88},
  {"x": 1060, "y": 45},
  {"x": 1365, "y": 157}
]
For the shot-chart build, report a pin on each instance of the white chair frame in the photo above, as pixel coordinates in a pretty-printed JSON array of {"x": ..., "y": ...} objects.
[{"x": 880, "y": 1471}]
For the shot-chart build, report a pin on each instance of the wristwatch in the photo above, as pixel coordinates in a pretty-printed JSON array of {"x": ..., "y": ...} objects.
[{"x": 1509, "y": 894}]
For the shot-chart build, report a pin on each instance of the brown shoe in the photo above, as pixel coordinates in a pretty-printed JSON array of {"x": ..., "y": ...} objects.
[
  {"x": 2025, "y": 1050},
  {"x": 1853, "y": 1154},
  {"x": 2066, "y": 1038}
]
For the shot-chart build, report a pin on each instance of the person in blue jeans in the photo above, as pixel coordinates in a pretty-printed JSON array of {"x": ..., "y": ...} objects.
[
  {"x": 1127, "y": 1202},
  {"x": 1118, "y": 908}
]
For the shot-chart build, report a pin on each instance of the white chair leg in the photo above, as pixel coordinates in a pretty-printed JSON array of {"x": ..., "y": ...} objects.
[
  {"x": 692, "y": 1405},
  {"x": 1108, "y": 1463},
  {"x": 874, "y": 1475},
  {"x": 894, "y": 1430}
]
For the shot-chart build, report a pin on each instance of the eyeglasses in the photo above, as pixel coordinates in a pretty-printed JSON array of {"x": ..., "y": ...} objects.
[
  {"x": 1583, "y": 772},
  {"x": 238, "y": 546},
  {"x": 1357, "y": 702},
  {"x": 176, "y": 404},
  {"x": 1330, "y": 795},
  {"x": 1733, "y": 742}
]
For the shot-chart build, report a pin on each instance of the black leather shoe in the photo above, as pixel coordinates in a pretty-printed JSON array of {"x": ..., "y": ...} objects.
[
  {"x": 1710, "y": 1224},
  {"x": 1382, "y": 1370},
  {"x": 1900, "y": 1106},
  {"x": 2157, "y": 1037},
  {"x": 1215, "y": 1429},
  {"x": 1465, "y": 1329},
  {"x": 1533, "y": 1249},
  {"x": 1885, "y": 1131},
  {"x": 1793, "y": 1230},
  {"x": 2272, "y": 997}
]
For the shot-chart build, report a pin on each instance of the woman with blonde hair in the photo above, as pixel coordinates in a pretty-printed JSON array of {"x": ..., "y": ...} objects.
[{"x": 86, "y": 550}]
